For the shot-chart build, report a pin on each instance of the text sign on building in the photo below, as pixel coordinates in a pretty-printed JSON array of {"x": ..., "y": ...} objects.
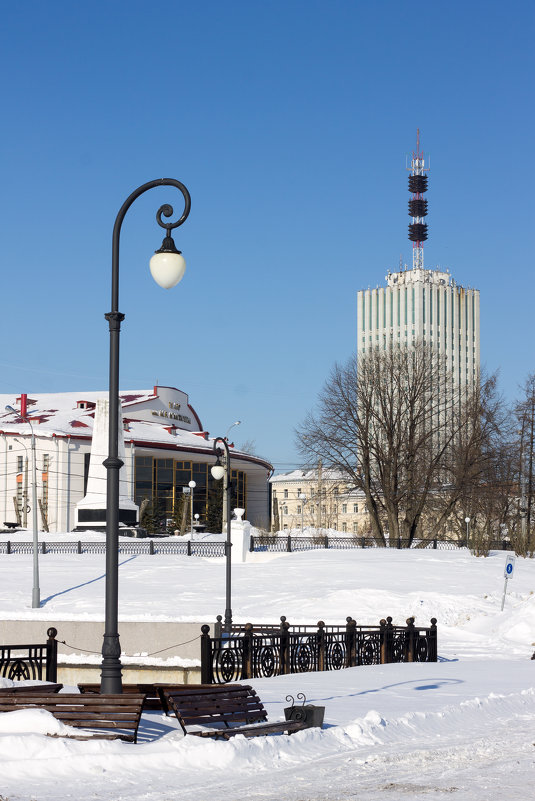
[{"x": 509, "y": 567}]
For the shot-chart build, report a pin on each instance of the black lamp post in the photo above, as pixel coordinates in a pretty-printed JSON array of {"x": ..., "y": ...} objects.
[
  {"x": 167, "y": 268},
  {"x": 218, "y": 471}
]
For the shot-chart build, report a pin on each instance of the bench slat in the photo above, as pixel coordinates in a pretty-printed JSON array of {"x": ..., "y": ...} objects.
[{"x": 85, "y": 711}]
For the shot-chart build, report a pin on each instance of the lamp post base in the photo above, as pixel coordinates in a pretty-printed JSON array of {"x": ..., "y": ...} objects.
[{"x": 111, "y": 674}]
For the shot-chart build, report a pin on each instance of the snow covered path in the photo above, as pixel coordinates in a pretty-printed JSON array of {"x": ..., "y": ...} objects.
[{"x": 462, "y": 727}]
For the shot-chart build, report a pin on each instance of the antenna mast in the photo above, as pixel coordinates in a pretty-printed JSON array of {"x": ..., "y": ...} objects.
[{"x": 418, "y": 205}]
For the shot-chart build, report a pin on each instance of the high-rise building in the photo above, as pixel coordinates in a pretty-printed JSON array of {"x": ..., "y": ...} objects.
[{"x": 422, "y": 305}]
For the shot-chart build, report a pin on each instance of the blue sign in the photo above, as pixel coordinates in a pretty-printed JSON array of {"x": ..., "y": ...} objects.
[{"x": 509, "y": 567}]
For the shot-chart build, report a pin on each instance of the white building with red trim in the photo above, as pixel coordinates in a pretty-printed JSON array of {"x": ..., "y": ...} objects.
[{"x": 165, "y": 447}]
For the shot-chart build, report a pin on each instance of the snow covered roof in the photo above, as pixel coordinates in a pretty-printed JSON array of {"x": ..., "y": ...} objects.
[{"x": 160, "y": 417}]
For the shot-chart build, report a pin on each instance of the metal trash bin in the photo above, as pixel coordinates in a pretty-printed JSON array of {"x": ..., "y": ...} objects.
[{"x": 310, "y": 714}]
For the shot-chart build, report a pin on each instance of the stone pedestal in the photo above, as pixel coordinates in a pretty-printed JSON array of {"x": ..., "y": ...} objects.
[
  {"x": 91, "y": 510},
  {"x": 240, "y": 535}
]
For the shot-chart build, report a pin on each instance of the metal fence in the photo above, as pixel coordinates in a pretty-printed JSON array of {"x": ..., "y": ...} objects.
[
  {"x": 257, "y": 652},
  {"x": 151, "y": 547},
  {"x": 24, "y": 662},
  {"x": 289, "y": 544}
]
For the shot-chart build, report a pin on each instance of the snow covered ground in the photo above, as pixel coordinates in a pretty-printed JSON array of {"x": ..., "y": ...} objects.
[{"x": 463, "y": 726}]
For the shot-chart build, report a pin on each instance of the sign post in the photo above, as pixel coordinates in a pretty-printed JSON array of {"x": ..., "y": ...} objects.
[{"x": 508, "y": 573}]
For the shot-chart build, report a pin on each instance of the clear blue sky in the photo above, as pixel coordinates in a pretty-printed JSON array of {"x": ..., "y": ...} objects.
[{"x": 289, "y": 122}]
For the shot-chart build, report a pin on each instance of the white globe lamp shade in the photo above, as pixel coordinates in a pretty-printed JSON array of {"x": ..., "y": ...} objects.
[
  {"x": 192, "y": 484},
  {"x": 167, "y": 268},
  {"x": 218, "y": 471}
]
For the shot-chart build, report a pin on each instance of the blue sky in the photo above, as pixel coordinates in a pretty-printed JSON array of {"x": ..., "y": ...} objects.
[{"x": 289, "y": 122}]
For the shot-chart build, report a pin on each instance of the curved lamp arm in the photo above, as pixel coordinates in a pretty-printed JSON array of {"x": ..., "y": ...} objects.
[{"x": 166, "y": 210}]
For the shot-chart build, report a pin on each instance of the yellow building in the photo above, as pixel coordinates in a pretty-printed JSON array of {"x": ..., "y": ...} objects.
[{"x": 317, "y": 499}]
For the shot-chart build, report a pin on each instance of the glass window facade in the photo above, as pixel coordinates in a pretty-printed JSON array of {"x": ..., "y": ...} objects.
[{"x": 163, "y": 480}]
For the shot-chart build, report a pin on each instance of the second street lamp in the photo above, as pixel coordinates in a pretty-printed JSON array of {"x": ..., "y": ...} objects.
[
  {"x": 191, "y": 485},
  {"x": 167, "y": 268},
  {"x": 218, "y": 472}
]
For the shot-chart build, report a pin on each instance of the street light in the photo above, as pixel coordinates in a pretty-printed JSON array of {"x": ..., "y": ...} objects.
[
  {"x": 224, "y": 515},
  {"x": 218, "y": 471},
  {"x": 36, "y": 592},
  {"x": 167, "y": 267},
  {"x": 467, "y": 521},
  {"x": 192, "y": 485}
]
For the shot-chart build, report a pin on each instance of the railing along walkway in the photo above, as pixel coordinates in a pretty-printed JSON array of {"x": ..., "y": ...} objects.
[
  {"x": 215, "y": 548},
  {"x": 256, "y": 652}
]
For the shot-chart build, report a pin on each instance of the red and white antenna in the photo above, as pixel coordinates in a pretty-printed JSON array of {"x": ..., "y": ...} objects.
[{"x": 418, "y": 205}]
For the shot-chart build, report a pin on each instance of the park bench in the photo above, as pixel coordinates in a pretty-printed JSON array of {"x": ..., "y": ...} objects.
[
  {"x": 32, "y": 688},
  {"x": 154, "y": 693},
  {"x": 223, "y": 706},
  {"x": 109, "y": 716}
]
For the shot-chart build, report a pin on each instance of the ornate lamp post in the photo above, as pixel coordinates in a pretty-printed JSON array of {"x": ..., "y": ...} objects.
[
  {"x": 167, "y": 267},
  {"x": 192, "y": 485},
  {"x": 467, "y": 521},
  {"x": 36, "y": 592},
  {"x": 218, "y": 471}
]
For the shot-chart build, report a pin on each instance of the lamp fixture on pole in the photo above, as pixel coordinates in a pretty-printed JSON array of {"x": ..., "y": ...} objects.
[
  {"x": 467, "y": 521},
  {"x": 218, "y": 471},
  {"x": 192, "y": 485},
  {"x": 36, "y": 592},
  {"x": 167, "y": 267}
]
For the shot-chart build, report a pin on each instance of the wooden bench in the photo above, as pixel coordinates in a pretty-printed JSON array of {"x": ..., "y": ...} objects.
[
  {"x": 33, "y": 688},
  {"x": 224, "y": 705},
  {"x": 155, "y": 693},
  {"x": 112, "y": 716}
]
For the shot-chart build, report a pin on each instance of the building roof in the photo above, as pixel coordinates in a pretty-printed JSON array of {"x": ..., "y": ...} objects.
[{"x": 62, "y": 415}]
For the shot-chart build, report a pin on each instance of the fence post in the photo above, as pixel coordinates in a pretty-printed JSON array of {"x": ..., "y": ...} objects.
[
  {"x": 285, "y": 646},
  {"x": 432, "y": 653},
  {"x": 363, "y": 542},
  {"x": 289, "y": 544},
  {"x": 218, "y": 628},
  {"x": 151, "y": 552},
  {"x": 326, "y": 541},
  {"x": 351, "y": 650},
  {"x": 387, "y": 633},
  {"x": 320, "y": 639},
  {"x": 504, "y": 545},
  {"x": 189, "y": 547},
  {"x": 43, "y": 547},
  {"x": 410, "y": 641},
  {"x": 9, "y": 546},
  {"x": 206, "y": 656},
  {"x": 251, "y": 543},
  {"x": 52, "y": 655},
  {"x": 399, "y": 543},
  {"x": 434, "y": 544},
  {"x": 79, "y": 547},
  {"x": 247, "y": 667}
]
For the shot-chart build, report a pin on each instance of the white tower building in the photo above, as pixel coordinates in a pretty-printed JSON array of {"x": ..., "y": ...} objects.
[
  {"x": 421, "y": 305},
  {"x": 426, "y": 306}
]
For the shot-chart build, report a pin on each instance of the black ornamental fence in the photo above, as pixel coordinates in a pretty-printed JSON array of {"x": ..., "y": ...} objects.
[
  {"x": 31, "y": 662},
  {"x": 217, "y": 548},
  {"x": 255, "y": 652}
]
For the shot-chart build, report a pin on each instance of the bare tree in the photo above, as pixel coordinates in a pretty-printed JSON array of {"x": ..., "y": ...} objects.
[
  {"x": 525, "y": 416},
  {"x": 403, "y": 431}
]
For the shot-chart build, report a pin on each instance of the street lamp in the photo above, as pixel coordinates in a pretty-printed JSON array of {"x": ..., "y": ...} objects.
[
  {"x": 467, "y": 521},
  {"x": 218, "y": 471},
  {"x": 167, "y": 267},
  {"x": 224, "y": 515},
  {"x": 192, "y": 485},
  {"x": 36, "y": 592}
]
